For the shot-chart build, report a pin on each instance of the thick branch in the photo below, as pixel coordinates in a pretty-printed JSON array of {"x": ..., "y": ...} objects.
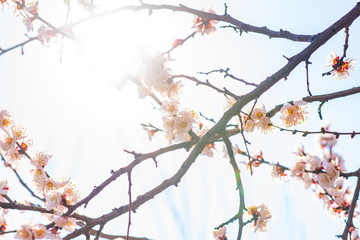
[
  {"x": 319, "y": 98},
  {"x": 329, "y": 96},
  {"x": 223, "y": 18},
  {"x": 21, "y": 207}
]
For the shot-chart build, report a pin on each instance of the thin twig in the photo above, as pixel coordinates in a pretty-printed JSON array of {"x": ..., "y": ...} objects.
[
  {"x": 227, "y": 74},
  {"x": 319, "y": 109},
  {"x": 22, "y": 182},
  {"x": 349, "y": 222},
  {"x": 307, "y": 76},
  {"x": 130, "y": 204},
  {"x": 98, "y": 233},
  {"x": 7, "y": 232},
  {"x": 3, "y": 51},
  {"x": 208, "y": 84},
  {"x": 66, "y": 22},
  {"x": 322, "y": 131},
  {"x": 179, "y": 42},
  {"x": 346, "y": 45},
  {"x": 245, "y": 143},
  {"x": 238, "y": 182}
]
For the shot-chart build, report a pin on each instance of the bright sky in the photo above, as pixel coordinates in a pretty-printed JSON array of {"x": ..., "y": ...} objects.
[{"x": 84, "y": 112}]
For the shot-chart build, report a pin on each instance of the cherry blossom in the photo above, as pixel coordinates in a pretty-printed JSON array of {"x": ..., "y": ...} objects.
[
  {"x": 340, "y": 69},
  {"x": 220, "y": 234},
  {"x": 6, "y": 119},
  {"x": 205, "y": 25},
  {"x": 24, "y": 232},
  {"x": 41, "y": 159},
  {"x": 45, "y": 35},
  {"x": 3, "y": 187},
  {"x": 261, "y": 215},
  {"x": 39, "y": 231},
  {"x": 293, "y": 114}
]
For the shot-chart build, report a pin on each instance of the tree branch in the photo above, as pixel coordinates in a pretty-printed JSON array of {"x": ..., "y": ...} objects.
[
  {"x": 349, "y": 222},
  {"x": 238, "y": 182},
  {"x": 208, "y": 84},
  {"x": 3, "y": 51},
  {"x": 22, "y": 182},
  {"x": 223, "y": 18},
  {"x": 227, "y": 74}
]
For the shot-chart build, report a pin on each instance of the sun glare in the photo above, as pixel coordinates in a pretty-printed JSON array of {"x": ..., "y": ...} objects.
[{"x": 111, "y": 53}]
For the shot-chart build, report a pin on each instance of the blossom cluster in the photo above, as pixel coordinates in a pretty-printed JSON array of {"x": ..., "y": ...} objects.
[
  {"x": 40, "y": 231},
  {"x": 37, "y": 231},
  {"x": 324, "y": 174},
  {"x": 155, "y": 75},
  {"x": 178, "y": 125},
  {"x": 260, "y": 216},
  {"x": 177, "y": 122},
  {"x": 256, "y": 117},
  {"x": 14, "y": 144},
  {"x": 28, "y": 11},
  {"x": 294, "y": 113}
]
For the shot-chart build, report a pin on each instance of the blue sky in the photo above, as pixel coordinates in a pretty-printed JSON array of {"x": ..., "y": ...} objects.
[{"x": 74, "y": 111}]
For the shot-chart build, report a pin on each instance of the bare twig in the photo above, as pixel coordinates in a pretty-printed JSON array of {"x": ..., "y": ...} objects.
[
  {"x": 179, "y": 42},
  {"x": 7, "y": 232},
  {"x": 66, "y": 22},
  {"x": 346, "y": 45},
  {"x": 130, "y": 208},
  {"x": 207, "y": 83},
  {"x": 98, "y": 233},
  {"x": 227, "y": 74},
  {"x": 3, "y": 51},
  {"x": 349, "y": 222},
  {"x": 322, "y": 131},
  {"x": 319, "y": 109},
  {"x": 307, "y": 76}
]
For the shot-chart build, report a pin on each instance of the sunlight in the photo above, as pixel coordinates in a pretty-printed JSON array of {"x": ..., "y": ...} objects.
[{"x": 111, "y": 54}]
